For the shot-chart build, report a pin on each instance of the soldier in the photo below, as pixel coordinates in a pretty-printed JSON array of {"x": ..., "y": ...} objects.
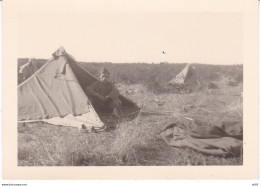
[{"x": 104, "y": 95}]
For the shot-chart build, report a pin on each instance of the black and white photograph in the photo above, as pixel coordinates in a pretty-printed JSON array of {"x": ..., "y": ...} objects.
[
  {"x": 129, "y": 88},
  {"x": 151, "y": 98}
]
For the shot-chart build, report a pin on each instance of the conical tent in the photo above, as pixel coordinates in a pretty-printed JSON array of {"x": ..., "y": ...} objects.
[
  {"x": 55, "y": 94},
  {"x": 182, "y": 77}
]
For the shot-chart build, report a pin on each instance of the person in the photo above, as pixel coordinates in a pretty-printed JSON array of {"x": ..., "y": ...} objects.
[
  {"x": 27, "y": 69},
  {"x": 103, "y": 95}
]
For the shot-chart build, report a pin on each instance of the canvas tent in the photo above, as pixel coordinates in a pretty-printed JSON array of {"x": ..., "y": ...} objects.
[
  {"x": 184, "y": 75},
  {"x": 27, "y": 69},
  {"x": 55, "y": 94},
  {"x": 187, "y": 80}
]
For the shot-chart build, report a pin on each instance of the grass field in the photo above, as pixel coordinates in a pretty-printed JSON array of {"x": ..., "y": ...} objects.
[{"x": 135, "y": 142}]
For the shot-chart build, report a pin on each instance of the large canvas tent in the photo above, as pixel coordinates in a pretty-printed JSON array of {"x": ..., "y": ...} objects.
[{"x": 55, "y": 94}]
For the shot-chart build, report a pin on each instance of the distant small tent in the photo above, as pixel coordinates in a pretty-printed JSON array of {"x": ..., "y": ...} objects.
[
  {"x": 184, "y": 75},
  {"x": 26, "y": 70},
  {"x": 55, "y": 94},
  {"x": 186, "y": 79}
]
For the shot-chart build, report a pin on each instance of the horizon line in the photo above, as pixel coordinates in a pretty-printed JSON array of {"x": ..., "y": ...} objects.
[{"x": 138, "y": 62}]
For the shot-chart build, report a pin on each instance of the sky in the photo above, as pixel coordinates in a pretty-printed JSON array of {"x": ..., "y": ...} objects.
[{"x": 184, "y": 37}]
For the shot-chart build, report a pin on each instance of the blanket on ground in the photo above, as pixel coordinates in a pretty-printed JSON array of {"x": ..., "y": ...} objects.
[{"x": 224, "y": 139}]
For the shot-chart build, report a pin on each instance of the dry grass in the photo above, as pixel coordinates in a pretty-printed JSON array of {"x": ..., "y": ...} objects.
[{"x": 132, "y": 142}]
